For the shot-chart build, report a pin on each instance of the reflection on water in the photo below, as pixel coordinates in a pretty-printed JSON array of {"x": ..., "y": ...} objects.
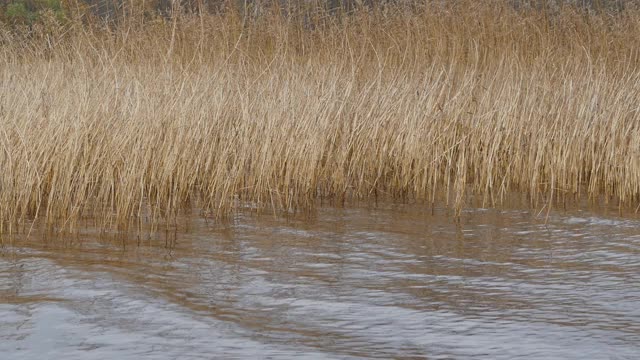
[{"x": 356, "y": 283}]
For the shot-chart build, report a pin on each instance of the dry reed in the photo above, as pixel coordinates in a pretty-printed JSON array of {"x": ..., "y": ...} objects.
[{"x": 420, "y": 103}]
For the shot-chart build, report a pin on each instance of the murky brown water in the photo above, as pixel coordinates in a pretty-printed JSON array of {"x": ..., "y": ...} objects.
[{"x": 357, "y": 283}]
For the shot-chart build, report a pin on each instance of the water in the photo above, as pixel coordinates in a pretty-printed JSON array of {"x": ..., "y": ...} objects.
[{"x": 350, "y": 283}]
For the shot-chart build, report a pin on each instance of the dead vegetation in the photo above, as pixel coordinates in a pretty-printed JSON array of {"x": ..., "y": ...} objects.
[{"x": 426, "y": 102}]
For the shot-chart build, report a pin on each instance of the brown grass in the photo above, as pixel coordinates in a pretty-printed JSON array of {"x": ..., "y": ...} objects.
[{"x": 424, "y": 103}]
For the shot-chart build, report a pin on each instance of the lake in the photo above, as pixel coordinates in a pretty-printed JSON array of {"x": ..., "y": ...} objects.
[{"x": 392, "y": 281}]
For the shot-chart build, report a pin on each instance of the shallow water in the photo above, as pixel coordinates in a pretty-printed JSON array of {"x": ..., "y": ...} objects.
[{"x": 356, "y": 283}]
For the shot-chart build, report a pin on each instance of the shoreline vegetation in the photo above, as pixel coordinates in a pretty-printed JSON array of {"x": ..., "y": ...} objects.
[{"x": 424, "y": 101}]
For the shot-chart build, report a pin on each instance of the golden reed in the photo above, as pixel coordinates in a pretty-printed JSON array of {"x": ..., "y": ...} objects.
[{"x": 143, "y": 120}]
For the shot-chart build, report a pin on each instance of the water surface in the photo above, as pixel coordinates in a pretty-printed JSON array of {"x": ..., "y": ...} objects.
[{"x": 396, "y": 281}]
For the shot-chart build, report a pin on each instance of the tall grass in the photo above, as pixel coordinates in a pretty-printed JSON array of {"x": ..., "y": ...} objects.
[{"x": 422, "y": 102}]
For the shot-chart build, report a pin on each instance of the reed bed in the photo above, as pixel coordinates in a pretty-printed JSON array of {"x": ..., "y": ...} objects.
[{"x": 424, "y": 102}]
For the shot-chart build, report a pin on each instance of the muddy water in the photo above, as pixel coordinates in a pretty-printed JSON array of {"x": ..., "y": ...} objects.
[{"x": 359, "y": 283}]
